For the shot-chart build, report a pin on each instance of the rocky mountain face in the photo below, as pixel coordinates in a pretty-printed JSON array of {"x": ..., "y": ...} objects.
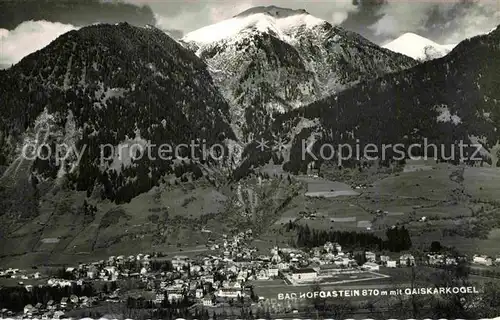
[
  {"x": 272, "y": 60},
  {"x": 446, "y": 100},
  {"x": 112, "y": 94}
]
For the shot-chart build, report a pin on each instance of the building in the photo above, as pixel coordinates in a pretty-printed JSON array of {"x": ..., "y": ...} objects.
[
  {"x": 328, "y": 247},
  {"x": 342, "y": 261},
  {"x": 304, "y": 275},
  {"x": 199, "y": 293},
  {"x": 208, "y": 278},
  {"x": 263, "y": 275},
  {"x": 208, "y": 301},
  {"x": 482, "y": 260},
  {"x": 371, "y": 266},
  {"x": 272, "y": 272},
  {"x": 230, "y": 293},
  {"x": 407, "y": 260},
  {"x": 64, "y": 302},
  {"x": 175, "y": 295},
  {"x": 283, "y": 266},
  {"x": 370, "y": 256},
  {"x": 28, "y": 309},
  {"x": 435, "y": 259},
  {"x": 160, "y": 297},
  {"x": 180, "y": 261},
  {"x": 384, "y": 258},
  {"x": 327, "y": 270}
]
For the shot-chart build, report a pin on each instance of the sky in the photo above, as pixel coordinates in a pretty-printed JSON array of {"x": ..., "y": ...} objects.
[{"x": 443, "y": 21}]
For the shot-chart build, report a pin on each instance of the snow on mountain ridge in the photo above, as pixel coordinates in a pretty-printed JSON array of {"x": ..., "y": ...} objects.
[
  {"x": 270, "y": 60},
  {"x": 281, "y": 27},
  {"x": 418, "y": 47}
]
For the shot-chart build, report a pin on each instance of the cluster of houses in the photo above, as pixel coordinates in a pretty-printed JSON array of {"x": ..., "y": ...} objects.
[
  {"x": 485, "y": 260},
  {"x": 443, "y": 259},
  {"x": 113, "y": 268},
  {"x": 56, "y": 309},
  {"x": 53, "y": 309},
  {"x": 329, "y": 260},
  {"x": 437, "y": 259},
  {"x": 18, "y": 274},
  {"x": 226, "y": 273}
]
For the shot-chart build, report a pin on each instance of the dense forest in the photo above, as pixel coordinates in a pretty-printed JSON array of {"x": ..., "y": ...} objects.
[
  {"x": 111, "y": 85},
  {"x": 404, "y": 107},
  {"x": 398, "y": 239}
]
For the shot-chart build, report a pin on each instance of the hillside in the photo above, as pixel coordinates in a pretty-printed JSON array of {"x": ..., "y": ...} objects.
[
  {"x": 100, "y": 88},
  {"x": 446, "y": 100},
  {"x": 272, "y": 60}
]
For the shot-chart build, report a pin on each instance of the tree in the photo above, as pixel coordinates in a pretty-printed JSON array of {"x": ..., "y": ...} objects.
[
  {"x": 435, "y": 246},
  {"x": 113, "y": 286},
  {"x": 105, "y": 288}
]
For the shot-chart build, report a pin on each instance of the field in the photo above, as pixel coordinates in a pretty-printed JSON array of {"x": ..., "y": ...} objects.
[
  {"x": 431, "y": 200},
  {"x": 435, "y": 202},
  {"x": 62, "y": 233},
  {"x": 169, "y": 218}
]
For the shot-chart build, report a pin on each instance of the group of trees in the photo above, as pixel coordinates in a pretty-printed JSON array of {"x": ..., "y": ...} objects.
[
  {"x": 162, "y": 266},
  {"x": 398, "y": 239},
  {"x": 142, "y": 303}
]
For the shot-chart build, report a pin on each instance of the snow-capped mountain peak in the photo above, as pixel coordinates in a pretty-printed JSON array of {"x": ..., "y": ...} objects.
[
  {"x": 269, "y": 60},
  {"x": 279, "y": 22},
  {"x": 418, "y": 47}
]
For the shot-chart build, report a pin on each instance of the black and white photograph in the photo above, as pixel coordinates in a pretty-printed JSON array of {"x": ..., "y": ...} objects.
[{"x": 249, "y": 159}]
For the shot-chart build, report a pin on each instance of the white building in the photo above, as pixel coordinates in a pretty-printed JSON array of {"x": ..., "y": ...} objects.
[
  {"x": 272, "y": 272},
  {"x": 483, "y": 260},
  {"x": 180, "y": 261},
  {"x": 384, "y": 258},
  {"x": 160, "y": 297},
  {"x": 407, "y": 260},
  {"x": 230, "y": 293},
  {"x": 199, "y": 293},
  {"x": 371, "y": 266},
  {"x": 208, "y": 301},
  {"x": 175, "y": 296},
  {"x": 304, "y": 275},
  {"x": 342, "y": 261},
  {"x": 370, "y": 256}
]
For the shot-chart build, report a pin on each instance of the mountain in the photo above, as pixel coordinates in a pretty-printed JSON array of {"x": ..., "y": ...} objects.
[
  {"x": 272, "y": 60},
  {"x": 418, "y": 47},
  {"x": 108, "y": 92},
  {"x": 445, "y": 101}
]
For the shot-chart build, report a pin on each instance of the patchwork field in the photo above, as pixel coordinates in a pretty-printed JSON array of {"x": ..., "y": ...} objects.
[
  {"x": 436, "y": 202},
  {"x": 457, "y": 206}
]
